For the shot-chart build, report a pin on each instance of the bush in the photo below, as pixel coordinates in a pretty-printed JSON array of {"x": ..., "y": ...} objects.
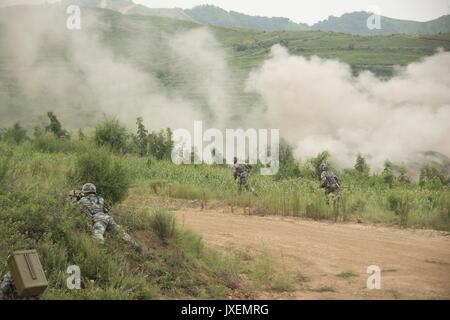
[
  {"x": 431, "y": 174},
  {"x": 14, "y": 134},
  {"x": 400, "y": 203},
  {"x": 163, "y": 224},
  {"x": 55, "y": 127},
  {"x": 289, "y": 167},
  {"x": 48, "y": 143},
  {"x": 111, "y": 134},
  {"x": 105, "y": 171},
  {"x": 317, "y": 161},
  {"x": 388, "y": 175},
  {"x": 361, "y": 165},
  {"x": 160, "y": 144},
  {"x": 5, "y": 156}
]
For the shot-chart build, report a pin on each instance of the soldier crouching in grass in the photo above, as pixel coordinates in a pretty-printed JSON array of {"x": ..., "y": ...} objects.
[{"x": 89, "y": 202}]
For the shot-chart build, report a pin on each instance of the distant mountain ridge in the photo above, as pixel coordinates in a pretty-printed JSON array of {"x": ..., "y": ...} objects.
[
  {"x": 216, "y": 16},
  {"x": 356, "y": 23},
  {"x": 352, "y": 23}
]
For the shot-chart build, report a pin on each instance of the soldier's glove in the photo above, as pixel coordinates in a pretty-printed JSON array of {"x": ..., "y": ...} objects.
[{"x": 106, "y": 207}]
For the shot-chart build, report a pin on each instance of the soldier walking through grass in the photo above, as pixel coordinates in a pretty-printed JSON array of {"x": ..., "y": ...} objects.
[
  {"x": 89, "y": 202},
  {"x": 329, "y": 181},
  {"x": 241, "y": 171},
  {"x": 332, "y": 186}
]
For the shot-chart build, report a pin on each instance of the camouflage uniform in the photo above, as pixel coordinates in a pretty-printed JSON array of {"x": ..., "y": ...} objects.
[
  {"x": 94, "y": 206},
  {"x": 8, "y": 289},
  {"x": 242, "y": 171},
  {"x": 329, "y": 181}
]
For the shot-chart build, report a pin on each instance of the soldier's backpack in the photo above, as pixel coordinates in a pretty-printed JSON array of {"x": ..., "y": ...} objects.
[{"x": 27, "y": 272}]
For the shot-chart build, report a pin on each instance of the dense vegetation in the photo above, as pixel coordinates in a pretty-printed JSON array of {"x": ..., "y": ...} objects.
[
  {"x": 37, "y": 173},
  {"x": 388, "y": 196}
]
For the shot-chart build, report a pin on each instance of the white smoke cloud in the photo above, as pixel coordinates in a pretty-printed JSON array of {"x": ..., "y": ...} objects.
[
  {"x": 90, "y": 79},
  {"x": 319, "y": 105},
  {"x": 200, "y": 56}
]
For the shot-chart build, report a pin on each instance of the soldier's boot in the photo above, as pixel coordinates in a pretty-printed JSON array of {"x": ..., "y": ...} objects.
[{"x": 137, "y": 247}]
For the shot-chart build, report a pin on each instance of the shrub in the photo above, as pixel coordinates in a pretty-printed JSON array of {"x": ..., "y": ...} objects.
[
  {"x": 388, "y": 175},
  {"x": 48, "y": 143},
  {"x": 317, "y": 161},
  {"x": 361, "y": 165},
  {"x": 403, "y": 176},
  {"x": 141, "y": 137},
  {"x": 288, "y": 165},
  {"x": 160, "y": 144},
  {"x": 55, "y": 127},
  {"x": 111, "y": 134},
  {"x": 5, "y": 157},
  {"x": 429, "y": 173},
  {"x": 163, "y": 224},
  {"x": 105, "y": 171},
  {"x": 282, "y": 283},
  {"x": 15, "y": 134},
  {"x": 400, "y": 203}
]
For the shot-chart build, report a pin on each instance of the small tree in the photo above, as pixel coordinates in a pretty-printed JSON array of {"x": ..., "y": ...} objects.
[
  {"x": 361, "y": 165},
  {"x": 388, "y": 175},
  {"x": 429, "y": 173},
  {"x": 15, "y": 134},
  {"x": 403, "y": 176},
  {"x": 142, "y": 137},
  {"x": 160, "y": 144},
  {"x": 107, "y": 172},
  {"x": 112, "y": 135},
  {"x": 55, "y": 126},
  {"x": 317, "y": 161},
  {"x": 288, "y": 165}
]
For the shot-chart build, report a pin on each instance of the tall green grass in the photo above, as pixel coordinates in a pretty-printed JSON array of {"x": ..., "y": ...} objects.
[
  {"x": 35, "y": 213},
  {"x": 364, "y": 198}
]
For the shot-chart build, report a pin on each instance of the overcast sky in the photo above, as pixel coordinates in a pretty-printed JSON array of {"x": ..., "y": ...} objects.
[{"x": 309, "y": 11}]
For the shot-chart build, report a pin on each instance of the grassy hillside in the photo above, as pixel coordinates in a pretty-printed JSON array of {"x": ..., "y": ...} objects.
[
  {"x": 378, "y": 54},
  {"x": 35, "y": 212}
]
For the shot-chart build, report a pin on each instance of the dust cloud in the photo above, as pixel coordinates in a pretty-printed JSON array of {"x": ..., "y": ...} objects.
[
  {"x": 319, "y": 105},
  {"x": 119, "y": 68}
]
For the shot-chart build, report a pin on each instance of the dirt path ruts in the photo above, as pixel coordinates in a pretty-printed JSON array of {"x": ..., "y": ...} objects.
[{"x": 415, "y": 264}]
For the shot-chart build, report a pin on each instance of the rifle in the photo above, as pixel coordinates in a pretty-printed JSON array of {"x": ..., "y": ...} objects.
[{"x": 75, "y": 195}]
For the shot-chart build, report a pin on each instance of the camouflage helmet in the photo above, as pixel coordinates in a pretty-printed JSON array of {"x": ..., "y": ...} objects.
[
  {"x": 323, "y": 166},
  {"x": 89, "y": 188}
]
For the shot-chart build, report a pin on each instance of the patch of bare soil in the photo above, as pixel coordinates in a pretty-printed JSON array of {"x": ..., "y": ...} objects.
[{"x": 329, "y": 260}]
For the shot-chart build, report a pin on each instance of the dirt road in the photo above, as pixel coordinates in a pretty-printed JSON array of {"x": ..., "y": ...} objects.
[{"x": 329, "y": 261}]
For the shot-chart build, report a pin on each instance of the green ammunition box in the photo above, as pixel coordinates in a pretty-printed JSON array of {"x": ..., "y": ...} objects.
[{"x": 27, "y": 272}]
